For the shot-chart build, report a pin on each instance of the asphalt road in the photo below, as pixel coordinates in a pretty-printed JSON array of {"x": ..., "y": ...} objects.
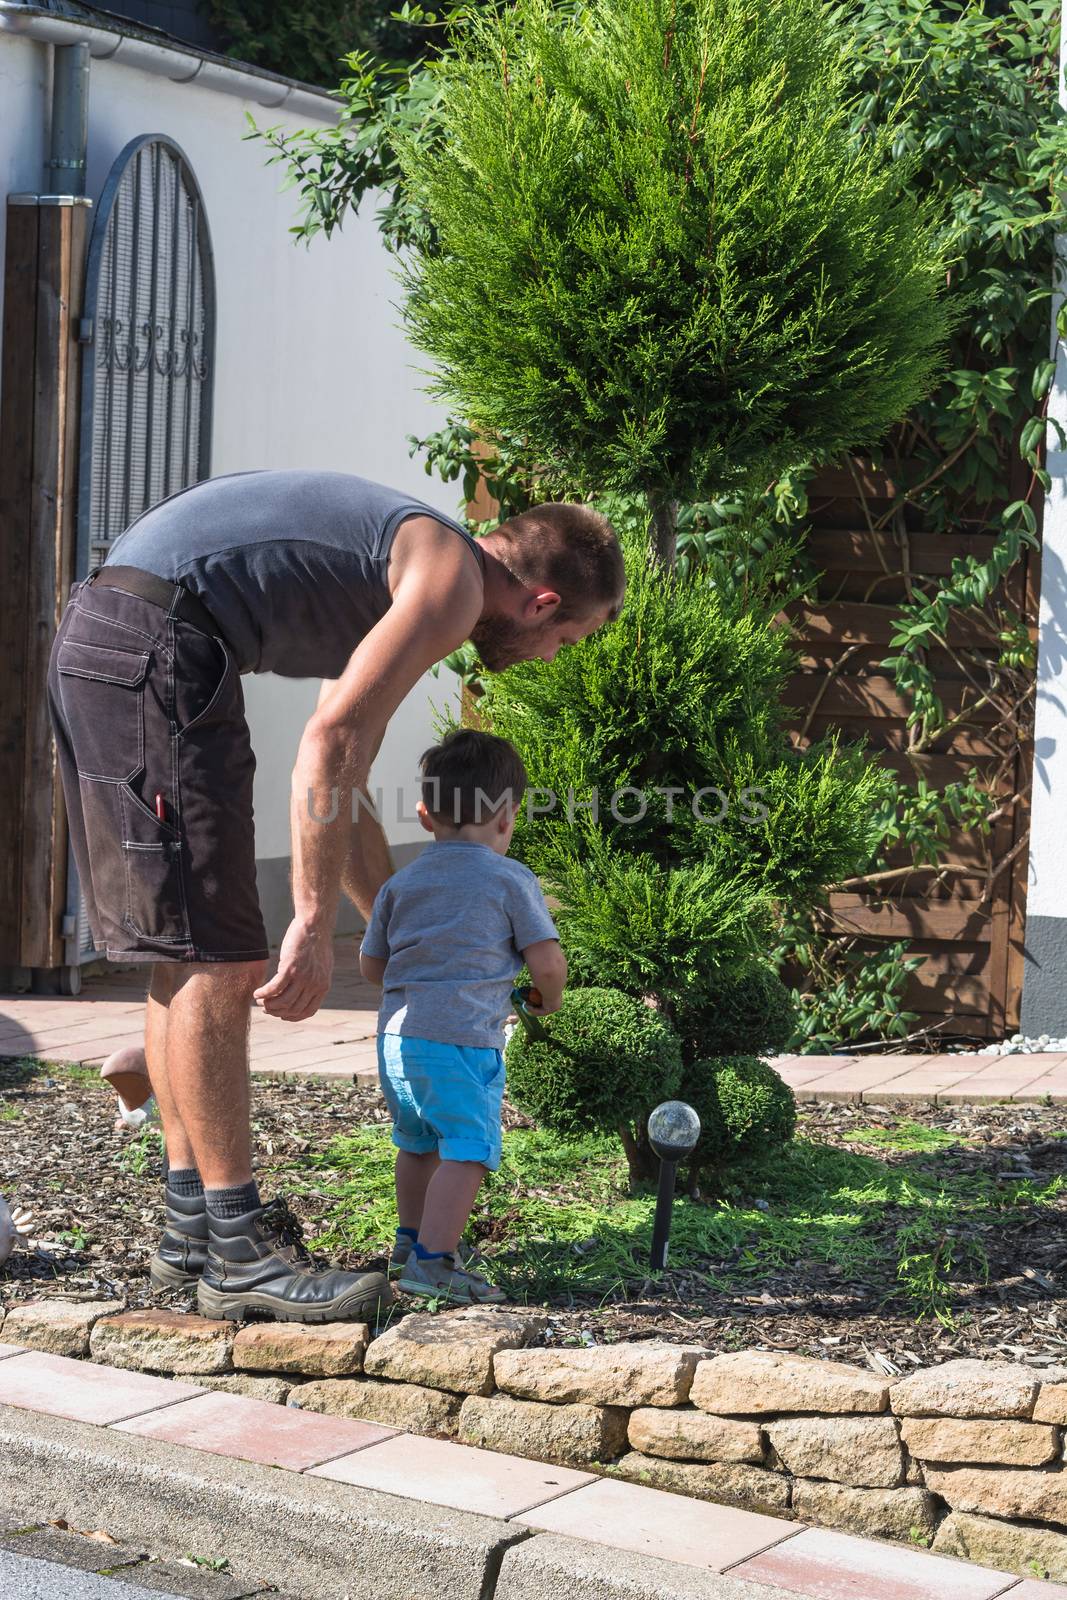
[{"x": 24, "y": 1578}]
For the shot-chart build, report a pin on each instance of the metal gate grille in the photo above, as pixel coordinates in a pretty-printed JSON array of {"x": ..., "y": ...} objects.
[
  {"x": 147, "y": 376},
  {"x": 150, "y": 301}
]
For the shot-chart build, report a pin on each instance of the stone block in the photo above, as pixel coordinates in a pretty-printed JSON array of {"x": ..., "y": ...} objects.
[
  {"x": 728, "y": 1483},
  {"x": 691, "y": 1435},
  {"x": 1012, "y": 1493},
  {"x": 645, "y": 1374},
  {"x": 1051, "y": 1402},
  {"x": 1007, "y": 1546},
  {"x": 163, "y": 1341},
  {"x": 862, "y": 1451},
  {"x": 575, "y": 1435},
  {"x": 765, "y": 1383},
  {"x": 328, "y": 1350},
  {"x": 876, "y": 1513},
  {"x": 410, "y": 1406},
  {"x": 253, "y": 1386},
  {"x": 454, "y": 1351},
  {"x": 62, "y": 1327},
  {"x": 966, "y": 1388},
  {"x": 984, "y": 1443}
]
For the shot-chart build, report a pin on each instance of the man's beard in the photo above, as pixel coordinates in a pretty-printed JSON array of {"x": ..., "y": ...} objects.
[{"x": 500, "y": 642}]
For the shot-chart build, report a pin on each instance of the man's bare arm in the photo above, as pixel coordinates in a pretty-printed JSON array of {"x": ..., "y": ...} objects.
[
  {"x": 369, "y": 860},
  {"x": 435, "y": 605}
]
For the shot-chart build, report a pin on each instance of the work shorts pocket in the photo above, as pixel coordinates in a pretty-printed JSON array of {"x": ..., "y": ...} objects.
[
  {"x": 202, "y": 667},
  {"x": 102, "y": 693},
  {"x": 155, "y": 891}
]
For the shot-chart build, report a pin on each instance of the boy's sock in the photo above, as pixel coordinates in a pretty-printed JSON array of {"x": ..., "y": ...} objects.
[
  {"x": 185, "y": 1181},
  {"x": 233, "y": 1202},
  {"x": 428, "y": 1255},
  {"x": 406, "y": 1233}
]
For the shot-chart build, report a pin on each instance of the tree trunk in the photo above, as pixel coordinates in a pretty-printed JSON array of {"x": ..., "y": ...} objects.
[
  {"x": 663, "y": 532},
  {"x": 638, "y": 1158}
]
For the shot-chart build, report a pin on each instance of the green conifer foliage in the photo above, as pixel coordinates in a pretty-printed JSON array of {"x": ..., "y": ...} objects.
[
  {"x": 672, "y": 716},
  {"x": 659, "y": 255}
]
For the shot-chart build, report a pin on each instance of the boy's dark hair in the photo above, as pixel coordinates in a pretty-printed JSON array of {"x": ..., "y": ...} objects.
[
  {"x": 575, "y": 550},
  {"x": 470, "y": 775}
]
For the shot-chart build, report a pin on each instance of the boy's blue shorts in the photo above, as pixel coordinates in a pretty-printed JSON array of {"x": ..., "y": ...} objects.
[{"x": 443, "y": 1097}]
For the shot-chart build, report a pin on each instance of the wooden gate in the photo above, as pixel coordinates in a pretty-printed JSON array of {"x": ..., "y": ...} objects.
[{"x": 968, "y": 922}]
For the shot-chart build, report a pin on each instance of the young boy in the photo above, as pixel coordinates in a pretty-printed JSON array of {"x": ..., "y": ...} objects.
[{"x": 446, "y": 938}]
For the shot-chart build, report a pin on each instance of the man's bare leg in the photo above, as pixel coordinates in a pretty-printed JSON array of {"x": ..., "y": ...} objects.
[
  {"x": 205, "y": 1085},
  {"x": 157, "y": 1013}
]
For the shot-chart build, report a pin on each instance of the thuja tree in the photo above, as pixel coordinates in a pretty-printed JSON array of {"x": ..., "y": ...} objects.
[
  {"x": 657, "y": 267},
  {"x": 672, "y": 820},
  {"x": 658, "y": 257}
]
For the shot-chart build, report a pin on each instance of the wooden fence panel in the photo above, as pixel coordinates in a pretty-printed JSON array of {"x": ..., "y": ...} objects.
[
  {"x": 967, "y": 925},
  {"x": 44, "y": 269}
]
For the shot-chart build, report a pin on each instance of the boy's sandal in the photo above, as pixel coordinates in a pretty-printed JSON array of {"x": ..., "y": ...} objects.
[{"x": 446, "y": 1280}]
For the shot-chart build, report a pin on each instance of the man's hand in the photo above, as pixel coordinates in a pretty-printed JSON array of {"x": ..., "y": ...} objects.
[{"x": 304, "y": 975}]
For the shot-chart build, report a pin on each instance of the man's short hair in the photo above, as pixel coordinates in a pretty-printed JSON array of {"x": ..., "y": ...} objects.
[
  {"x": 573, "y": 550},
  {"x": 470, "y": 775}
]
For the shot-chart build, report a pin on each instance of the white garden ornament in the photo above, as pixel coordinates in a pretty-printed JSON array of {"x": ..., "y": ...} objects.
[{"x": 15, "y": 1225}]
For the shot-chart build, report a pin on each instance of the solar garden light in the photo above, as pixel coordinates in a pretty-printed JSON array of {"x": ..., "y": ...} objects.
[{"x": 673, "y": 1130}]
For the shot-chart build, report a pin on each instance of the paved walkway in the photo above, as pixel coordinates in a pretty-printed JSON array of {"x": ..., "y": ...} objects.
[
  {"x": 338, "y": 1042},
  {"x": 628, "y": 1518}
]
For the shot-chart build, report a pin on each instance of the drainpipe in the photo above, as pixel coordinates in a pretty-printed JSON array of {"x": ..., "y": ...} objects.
[
  {"x": 65, "y": 167},
  {"x": 172, "y": 60}
]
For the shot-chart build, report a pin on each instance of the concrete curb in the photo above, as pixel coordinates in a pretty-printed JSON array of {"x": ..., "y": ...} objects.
[
  {"x": 552, "y": 1566},
  {"x": 324, "y": 1539}
]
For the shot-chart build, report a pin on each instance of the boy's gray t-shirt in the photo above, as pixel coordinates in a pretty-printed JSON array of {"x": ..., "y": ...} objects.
[{"x": 451, "y": 928}]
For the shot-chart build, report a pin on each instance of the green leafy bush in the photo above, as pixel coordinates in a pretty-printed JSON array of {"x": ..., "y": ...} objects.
[
  {"x": 745, "y": 1012},
  {"x": 746, "y": 1112},
  {"x": 311, "y": 39},
  {"x": 607, "y": 1061}
]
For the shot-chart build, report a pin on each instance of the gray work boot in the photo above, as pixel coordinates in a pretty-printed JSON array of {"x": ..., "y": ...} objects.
[
  {"x": 258, "y": 1262},
  {"x": 179, "y": 1261}
]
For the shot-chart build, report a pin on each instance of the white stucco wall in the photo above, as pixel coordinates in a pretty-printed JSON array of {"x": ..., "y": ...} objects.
[
  {"x": 311, "y": 369},
  {"x": 1044, "y": 1003}
]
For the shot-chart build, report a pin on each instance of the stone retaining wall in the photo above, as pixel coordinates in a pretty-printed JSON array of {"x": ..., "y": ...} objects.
[{"x": 966, "y": 1457}]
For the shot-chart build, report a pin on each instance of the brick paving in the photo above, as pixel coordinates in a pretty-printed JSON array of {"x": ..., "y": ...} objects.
[
  {"x": 814, "y": 1563},
  {"x": 338, "y": 1042}
]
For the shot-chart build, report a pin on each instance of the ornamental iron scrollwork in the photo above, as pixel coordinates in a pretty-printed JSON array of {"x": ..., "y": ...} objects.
[{"x": 150, "y": 328}]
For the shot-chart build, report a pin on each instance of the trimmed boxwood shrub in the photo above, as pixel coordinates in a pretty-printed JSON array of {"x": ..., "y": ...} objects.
[
  {"x": 608, "y": 1060},
  {"x": 749, "y": 1012},
  {"x": 745, "y": 1112}
]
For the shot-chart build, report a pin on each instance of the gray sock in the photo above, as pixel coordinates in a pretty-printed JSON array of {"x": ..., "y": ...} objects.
[
  {"x": 185, "y": 1181},
  {"x": 233, "y": 1202}
]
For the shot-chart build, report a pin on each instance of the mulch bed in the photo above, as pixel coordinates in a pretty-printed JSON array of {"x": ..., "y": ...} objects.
[{"x": 97, "y": 1203}]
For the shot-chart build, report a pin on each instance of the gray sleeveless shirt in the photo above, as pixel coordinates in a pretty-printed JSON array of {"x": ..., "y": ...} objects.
[{"x": 291, "y": 565}]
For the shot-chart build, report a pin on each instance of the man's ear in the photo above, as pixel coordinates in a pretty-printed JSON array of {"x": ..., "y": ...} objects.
[
  {"x": 423, "y": 815},
  {"x": 540, "y": 603}
]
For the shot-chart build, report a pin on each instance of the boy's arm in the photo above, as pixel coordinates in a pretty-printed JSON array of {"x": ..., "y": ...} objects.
[
  {"x": 548, "y": 969},
  {"x": 374, "y": 947},
  {"x": 372, "y": 968},
  {"x": 535, "y": 936}
]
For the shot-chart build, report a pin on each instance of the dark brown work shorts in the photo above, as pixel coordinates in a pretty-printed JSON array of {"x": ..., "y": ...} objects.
[{"x": 157, "y": 767}]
